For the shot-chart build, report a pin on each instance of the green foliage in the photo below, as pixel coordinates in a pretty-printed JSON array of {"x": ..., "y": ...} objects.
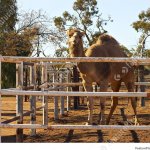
[
  {"x": 17, "y": 44},
  {"x": 61, "y": 52},
  {"x": 14, "y": 44},
  {"x": 143, "y": 26},
  {"x": 8, "y": 75},
  {"x": 8, "y": 15},
  {"x": 8, "y": 19},
  {"x": 86, "y": 18}
]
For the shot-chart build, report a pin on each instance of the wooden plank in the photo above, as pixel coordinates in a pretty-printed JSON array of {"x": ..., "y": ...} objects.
[
  {"x": 135, "y": 61},
  {"x": 33, "y": 99},
  {"x": 33, "y": 114},
  {"x": 19, "y": 102},
  {"x": 62, "y": 102},
  {"x": 56, "y": 117},
  {"x": 61, "y": 84},
  {"x": 68, "y": 89},
  {"x": 0, "y": 99},
  {"x": 80, "y": 84},
  {"x": 64, "y": 93},
  {"x": 45, "y": 98},
  {"x": 100, "y": 127},
  {"x": 142, "y": 87},
  {"x": 23, "y": 126},
  {"x": 75, "y": 88},
  {"x": 77, "y": 127}
]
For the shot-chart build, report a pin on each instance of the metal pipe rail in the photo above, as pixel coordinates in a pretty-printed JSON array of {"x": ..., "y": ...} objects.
[
  {"x": 80, "y": 84},
  {"x": 63, "y": 93},
  {"x": 135, "y": 61},
  {"x": 77, "y": 127}
]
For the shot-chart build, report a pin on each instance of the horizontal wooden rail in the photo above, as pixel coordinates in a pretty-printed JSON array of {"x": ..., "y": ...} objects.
[
  {"x": 23, "y": 126},
  {"x": 77, "y": 127},
  {"x": 24, "y": 114},
  {"x": 135, "y": 61},
  {"x": 64, "y": 93},
  {"x": 60, "y": 84},
  {"x": 131, "y": 127},
  {"x": 80, "y": 84}
]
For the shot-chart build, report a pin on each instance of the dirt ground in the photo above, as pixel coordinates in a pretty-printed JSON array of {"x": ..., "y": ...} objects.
[{"x": 78, "y": 117}]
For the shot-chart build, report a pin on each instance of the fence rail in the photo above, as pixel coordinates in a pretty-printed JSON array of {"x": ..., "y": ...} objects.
[
  {"x": 80, "y": 84},
  {"x": 63, "y": 93},
  {"x": 32, "y": 60},
  {"x": 78, "y": 127},
  {"x": 75, "y": 59}
]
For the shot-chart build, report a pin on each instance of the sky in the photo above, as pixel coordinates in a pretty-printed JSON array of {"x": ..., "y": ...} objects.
[{"x": 123, "y": 13}]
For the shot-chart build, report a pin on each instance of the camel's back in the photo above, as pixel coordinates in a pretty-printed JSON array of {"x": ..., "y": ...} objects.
[{"x": 106, "y": 46}]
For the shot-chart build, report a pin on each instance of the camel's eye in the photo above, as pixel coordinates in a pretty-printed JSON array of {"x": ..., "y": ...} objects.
[{"x": 70, "y": 35}]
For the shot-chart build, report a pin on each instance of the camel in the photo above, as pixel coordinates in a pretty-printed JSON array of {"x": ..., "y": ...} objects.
[{"x": 102, "y": 73}]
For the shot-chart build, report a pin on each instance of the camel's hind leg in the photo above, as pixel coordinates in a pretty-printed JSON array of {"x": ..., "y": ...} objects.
[
  {"x": 115, "y": 87},
  {"x": 130, "y": 87},
  {"x": 103, "y": 88}
]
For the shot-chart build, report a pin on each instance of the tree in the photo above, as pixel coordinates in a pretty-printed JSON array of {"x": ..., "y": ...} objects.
[
  {"x": 86, "y": 18},
  {"x": 8, "y": 15},
  {"x": 32, "y": 31},
  {"x": 18, "y": 44},
  {"x": 143, "y": 26},
  {"x": 46, "y": 34},
  {"x": 8, "y": 19}
]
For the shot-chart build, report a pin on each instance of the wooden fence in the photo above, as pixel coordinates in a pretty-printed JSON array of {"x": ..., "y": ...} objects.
[{"x": 19, "y": 92}]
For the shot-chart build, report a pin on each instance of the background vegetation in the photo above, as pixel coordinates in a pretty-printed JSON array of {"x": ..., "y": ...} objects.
[{"x": 27, "y": 33}]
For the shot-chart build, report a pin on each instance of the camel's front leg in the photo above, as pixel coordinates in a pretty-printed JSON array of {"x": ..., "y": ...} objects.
[
  {"x": 90, "y": 105},
  {"x": 103, "y": 88},
  {"x": 88, "y": 88}
]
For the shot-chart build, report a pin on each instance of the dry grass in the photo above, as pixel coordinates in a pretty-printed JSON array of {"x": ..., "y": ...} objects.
[{"x": 78, "y": 117}]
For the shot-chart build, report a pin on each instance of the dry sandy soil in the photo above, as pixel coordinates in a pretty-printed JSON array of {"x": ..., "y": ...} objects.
[{"x": 78, "y": 117}]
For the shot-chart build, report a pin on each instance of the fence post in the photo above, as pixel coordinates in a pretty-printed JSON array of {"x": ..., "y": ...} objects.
[
  {"x": 62, "y": 97},
  {"x": 45, "y": 98},
  {"x": 25, "y": 80},
  {"x": 68, "y": 89},
  {"x": 33, "y": 99},
  {"x": 142, "y": 87},
  {"x": 55, "y": 101},
  {"x": 19, "y": 99},
  {"x": 76, "y": 88},
  {"x": 0, "y": 101}
]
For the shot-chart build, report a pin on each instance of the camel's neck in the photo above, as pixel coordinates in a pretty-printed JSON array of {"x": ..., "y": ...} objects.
[
  {"x": 78, "y": 51},
  {"x": 81, "y": 65}
]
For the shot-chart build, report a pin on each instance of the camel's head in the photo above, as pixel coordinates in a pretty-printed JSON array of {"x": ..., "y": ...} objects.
[{"x": 75, "y": 42}]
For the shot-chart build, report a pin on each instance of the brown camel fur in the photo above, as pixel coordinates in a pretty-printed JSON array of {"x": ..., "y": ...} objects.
[{"x": 102, "y": 73}]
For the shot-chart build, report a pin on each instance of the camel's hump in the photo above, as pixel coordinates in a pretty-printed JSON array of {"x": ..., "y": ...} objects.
[{"x": 105, "y": 38}]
